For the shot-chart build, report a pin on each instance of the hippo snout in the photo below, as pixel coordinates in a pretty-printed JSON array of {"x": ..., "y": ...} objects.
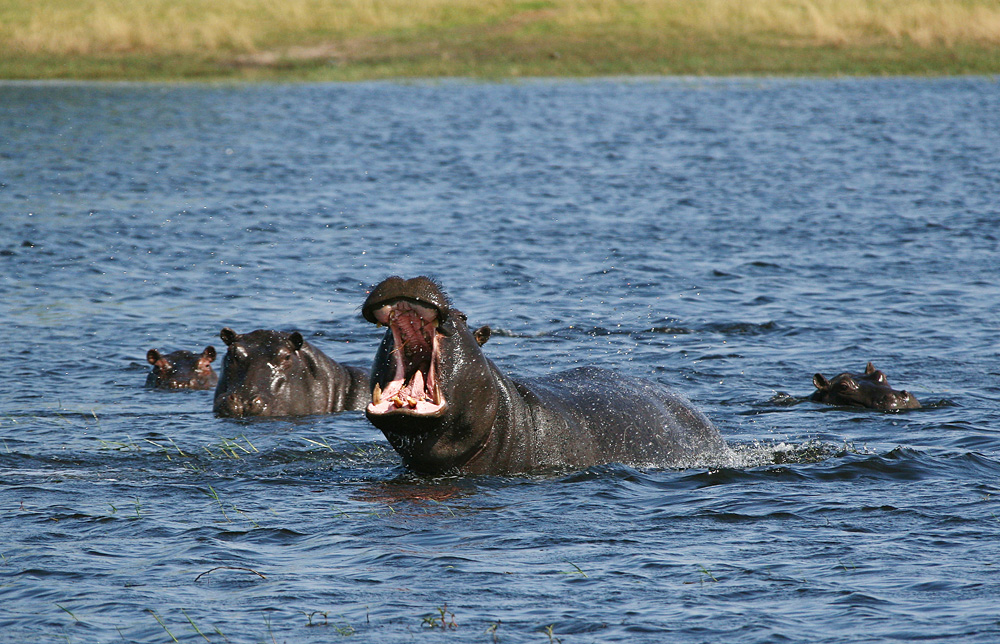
[{"x": 236, "y": 406}]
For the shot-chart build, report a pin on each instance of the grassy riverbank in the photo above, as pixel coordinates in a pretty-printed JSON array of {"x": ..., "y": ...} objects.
[{"x": 367, "y": 39}]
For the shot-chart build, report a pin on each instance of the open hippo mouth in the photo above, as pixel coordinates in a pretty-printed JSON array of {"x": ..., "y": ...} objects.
[{"x": 414, "y": 388}]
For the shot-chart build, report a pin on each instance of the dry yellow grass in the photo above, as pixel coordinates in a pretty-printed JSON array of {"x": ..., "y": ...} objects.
[
  {"x": 386, "y": 38},
  {"x": 244, "y": 26},
  {"x": 194, "y": 26}
]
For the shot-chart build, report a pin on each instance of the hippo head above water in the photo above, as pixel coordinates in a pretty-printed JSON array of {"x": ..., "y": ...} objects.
[
  {"x": 181, "y": 370},
  {"x": 279, "y": 373},
  {"x": 433, "y": 343},
  {"x": 424, "y": 352},
  {"x": 870, "y": 389}
]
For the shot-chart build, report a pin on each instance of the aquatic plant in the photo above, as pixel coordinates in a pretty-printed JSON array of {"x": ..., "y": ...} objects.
[
  {"x": 244, "y": 568},
  {"x": 195, "y": 626},
  {"x": 345, "y": 629},
  {"x": 309, "y": 617},
  {"x": 578, "y": 571},
  {"x": 215, "y": 495},
  {"x": 160, "y": 621},
  {"x": 445, "y": 619},
  {"x": 75, "y": 618}
]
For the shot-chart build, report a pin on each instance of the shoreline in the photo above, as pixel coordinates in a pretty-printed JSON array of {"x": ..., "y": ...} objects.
[
  {"x": 646, "y": 78},
  {"x": 197, "y": 72}
]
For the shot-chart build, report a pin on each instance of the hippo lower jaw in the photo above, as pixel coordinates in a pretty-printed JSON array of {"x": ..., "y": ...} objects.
[{"x": 414, "y": 389}]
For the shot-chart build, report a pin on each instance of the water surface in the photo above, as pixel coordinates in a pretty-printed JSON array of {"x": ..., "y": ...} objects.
[{"x": 728, "y": 238}]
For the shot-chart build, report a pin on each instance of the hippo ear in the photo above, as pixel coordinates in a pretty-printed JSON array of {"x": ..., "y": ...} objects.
[
  {"x": 821, "y": 382},
  {"x": 228, "y": 335},
  {"x": 209, "y": 353},
  {"x": 869, "y": 369},
  {"x": 296, "y": 339},
  {"x": 483, "y": 334},
  {"x": 152, "y": 356}
]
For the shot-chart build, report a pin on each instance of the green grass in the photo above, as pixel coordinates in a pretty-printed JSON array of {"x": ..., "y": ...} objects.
[
  {"x": 315, "y": 40},
  {"x": 709, "y": 59}
]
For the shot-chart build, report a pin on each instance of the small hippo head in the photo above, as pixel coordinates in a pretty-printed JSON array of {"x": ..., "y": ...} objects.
[
  {"x": 429, "y": 374},
  {"x": 181, "y": 370},
  {"x": 266, "y": 373},
  {"x": 870, "y": 389}
]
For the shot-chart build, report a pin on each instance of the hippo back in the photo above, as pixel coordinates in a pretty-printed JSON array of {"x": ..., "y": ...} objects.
[{"x": 590, "y": 415}]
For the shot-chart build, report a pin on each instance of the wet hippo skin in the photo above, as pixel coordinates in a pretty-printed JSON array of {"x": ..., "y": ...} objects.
[
  {"x": 181, "y": 370},
  {"x": 446, "y": 408},
  {"x": 277, "y": 373},
  {"x": 869, "y": 389}
]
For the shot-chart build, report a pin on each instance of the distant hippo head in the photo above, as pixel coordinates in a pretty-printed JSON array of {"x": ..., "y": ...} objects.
[
  {"x": 429, "y": 361},
  {"x": 870, "y": 389},
  {"x": 274, "y": 373},
  {"x": 181, "y": 370}
]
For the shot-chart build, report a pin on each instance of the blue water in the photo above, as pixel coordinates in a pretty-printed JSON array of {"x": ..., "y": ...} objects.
[{"x": 726, "y": 237}]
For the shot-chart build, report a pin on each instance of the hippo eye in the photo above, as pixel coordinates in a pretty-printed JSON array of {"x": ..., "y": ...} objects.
[
  {"x": 880, "y": 377},
  {"x": 847, "y": 385}
]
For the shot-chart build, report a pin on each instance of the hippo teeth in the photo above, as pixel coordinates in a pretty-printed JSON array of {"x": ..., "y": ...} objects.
[{"x": 413, "y": 389}]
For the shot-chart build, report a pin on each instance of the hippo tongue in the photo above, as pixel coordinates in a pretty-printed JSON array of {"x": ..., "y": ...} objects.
[{"x": 417, "y": 386}]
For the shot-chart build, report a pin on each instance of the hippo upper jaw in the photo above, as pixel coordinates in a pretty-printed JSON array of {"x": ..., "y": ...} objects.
[
  {"x": 413, "y": 387},
  {"x": 421, "y": 291}
]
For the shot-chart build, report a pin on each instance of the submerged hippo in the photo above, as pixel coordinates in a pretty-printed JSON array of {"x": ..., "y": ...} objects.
[
  {"x": 870, "y": 389},
  {"x": 275, "y": 373},
  {"x": 446, "y": 408},
  {"x": 181, "y": 370}
]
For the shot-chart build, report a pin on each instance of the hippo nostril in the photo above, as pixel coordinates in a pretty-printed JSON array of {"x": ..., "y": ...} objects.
[{"x": 234, "y": 405}]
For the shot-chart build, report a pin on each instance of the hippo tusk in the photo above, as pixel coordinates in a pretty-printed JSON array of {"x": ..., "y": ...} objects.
[{"x": 377, "y": 394}]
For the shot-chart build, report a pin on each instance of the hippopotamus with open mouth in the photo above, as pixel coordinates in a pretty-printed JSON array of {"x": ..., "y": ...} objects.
[
  {"x": 870, "y": 389},
  {"x": 276, "y": 373},
  {"x": 181, "y": 370},
  {"x": 446, "y": 408}
]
